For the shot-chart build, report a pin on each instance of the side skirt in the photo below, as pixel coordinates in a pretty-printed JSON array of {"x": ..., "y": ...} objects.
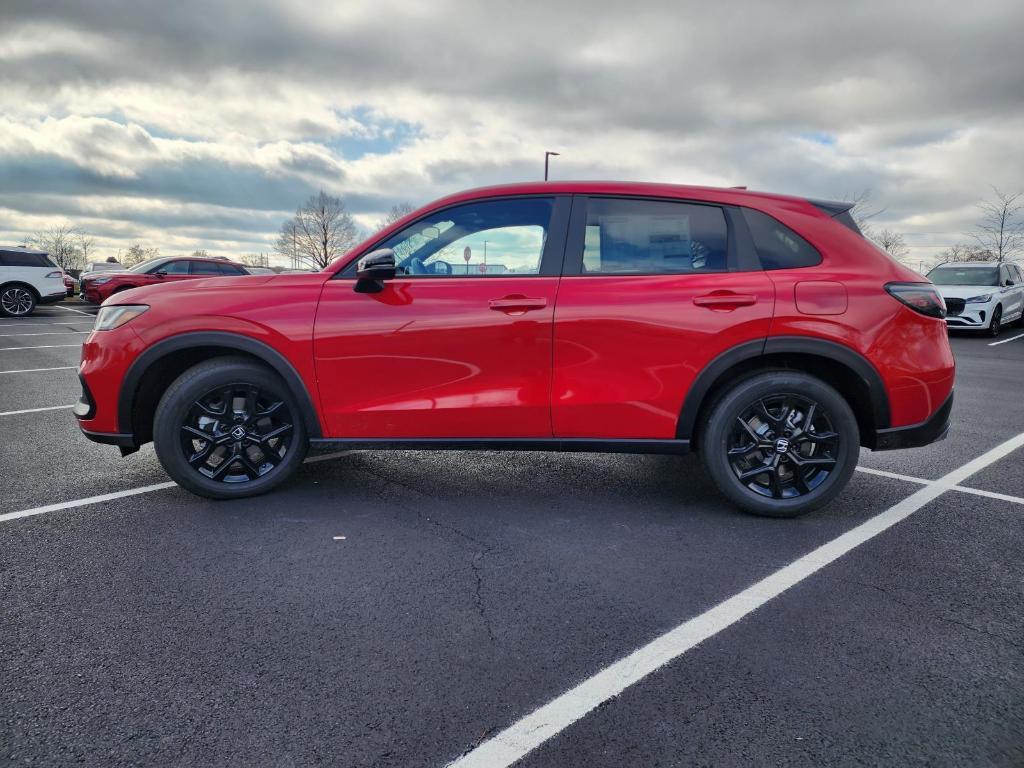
[{"x": 578, "y": 444}]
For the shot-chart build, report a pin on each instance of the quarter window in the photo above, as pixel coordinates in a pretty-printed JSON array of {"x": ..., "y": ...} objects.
[
  {"x": 778, "y": 246},
  {"x": 485, "y": 239},
  {"x": 653, "y": 237}
]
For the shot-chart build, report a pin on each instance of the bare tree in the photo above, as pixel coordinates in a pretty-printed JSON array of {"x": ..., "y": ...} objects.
[
  {"x": 321, "y": 230},
  {"x": 892, "y": 243},
  {"x": 287, "y": 243},
  {"x": 863, "y": 211},
  {"x": 399, "y": 211},
  {"x": 962, "y": 252},
  {"x": 200, "y": 253},
  {"x": 254, "y": 259},
  {"x": 86, "y": 245},
  {"x": 1001, "y": 230},
  {"x": 61, "y": 242},
  {"x": 138, "y": 253}
]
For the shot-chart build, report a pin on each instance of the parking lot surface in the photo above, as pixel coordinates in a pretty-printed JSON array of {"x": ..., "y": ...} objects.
[{"x": 416, "y": 608}]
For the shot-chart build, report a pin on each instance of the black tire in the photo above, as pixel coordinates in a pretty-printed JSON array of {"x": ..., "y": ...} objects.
[
  {"x": 748, "y": 415},
  {"x": 17, "y": 300},
  {"x": 216, "y": 398},
  {"x": 995, "y": 325}
]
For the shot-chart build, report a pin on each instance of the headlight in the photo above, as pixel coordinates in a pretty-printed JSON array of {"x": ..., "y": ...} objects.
[
  {"x": 117, "y": 315},
  {"x": 979, "y": 299},
  {"x": 99, "y": 280}
]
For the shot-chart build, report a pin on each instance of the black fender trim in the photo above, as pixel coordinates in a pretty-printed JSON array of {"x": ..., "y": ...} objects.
[
  {"x": 199, "y": 339},
  {"x": 931, "y": 430},
  {"x": 803, "y": 345}
]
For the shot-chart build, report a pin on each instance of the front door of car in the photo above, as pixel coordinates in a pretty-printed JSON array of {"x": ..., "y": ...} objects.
[
  {"x": 170, "y": 271},
  {"x": 458, "y": 343},
  {"x": 653, "y": 290},
  {"x": 1012, "y": 291}
]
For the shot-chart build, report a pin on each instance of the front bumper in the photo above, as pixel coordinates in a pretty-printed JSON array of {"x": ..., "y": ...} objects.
[
  {"x": 935, "y": 428},
  {"x": 970, "y": 316}
]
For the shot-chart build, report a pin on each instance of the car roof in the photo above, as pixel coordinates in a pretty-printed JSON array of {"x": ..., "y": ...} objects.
[
  {"x": 22, "y": 249},
  {"x": 971, "y": 264},
  {"x": 635, "y": 188}
]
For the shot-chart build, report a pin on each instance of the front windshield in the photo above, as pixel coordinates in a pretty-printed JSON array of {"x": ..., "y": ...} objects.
[
  {"x": 145, "y": 266},
  {"x": 986, "y": 275}
]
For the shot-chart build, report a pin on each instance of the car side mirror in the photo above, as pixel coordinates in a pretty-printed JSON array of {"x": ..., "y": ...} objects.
[
  {"x": 1009, "y": 283},
  {"x": 373, "y": 269},
  {"x": 161, "y": 273}
]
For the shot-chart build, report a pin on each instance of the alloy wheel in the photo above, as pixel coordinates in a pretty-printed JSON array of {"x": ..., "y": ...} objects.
[
  {"x": 783, "y": 446},
  {"x": 16, "y": 301},
  {"x": 236, "y": 433}
]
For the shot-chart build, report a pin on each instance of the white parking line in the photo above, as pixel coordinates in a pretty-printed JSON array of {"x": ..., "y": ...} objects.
[
  {"x": 29, "y": 324},
  {"x": 69, "y": 309},
  {"x": 130, "y": 492},
  {"x": 44, "y": 346},
  {"x": 1004, "y": 341},
  {"x": 960, "y": 488},
  {"x": 525, "y": 735},
  {"x": 40, "y": 370},
  {"x": 36, "y": 410},
  {"x": 44, "y": 333}
]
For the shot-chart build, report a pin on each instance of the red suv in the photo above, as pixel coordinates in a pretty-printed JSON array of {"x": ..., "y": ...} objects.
[
  {"x": 100, "y": 286},
  {"x": 762, "y": 331}
]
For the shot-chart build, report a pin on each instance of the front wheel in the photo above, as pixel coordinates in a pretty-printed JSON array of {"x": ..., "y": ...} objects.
[
  {"x": 229, "y": 428},
  {"x": 780, "y": 444},
  {"x": 995, "y": 325}
]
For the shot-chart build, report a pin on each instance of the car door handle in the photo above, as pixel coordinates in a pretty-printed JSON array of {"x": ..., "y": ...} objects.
[
  {"x": 517, "y": 304},
  {"x": 725, "y": 300}
]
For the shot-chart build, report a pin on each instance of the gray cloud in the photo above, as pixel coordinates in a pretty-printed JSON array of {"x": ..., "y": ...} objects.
[{"x": 242, "y": 106}]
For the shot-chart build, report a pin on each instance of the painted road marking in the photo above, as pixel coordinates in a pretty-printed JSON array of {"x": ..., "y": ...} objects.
[
  {"x": 528, "y": 733},
  {"x": 40, "y": 370},
  {"x": 130, "y": 492},
  {"x": 45, "y": 346},
  {"x": 1005, "y": 341},
  {"x": 36, "y": 410},
  {"x": 44, "y": 333},
  {"x": 960, "y": 488},
  {"x": 30, "y": 324},
  {"x": 69, "y": 309}
]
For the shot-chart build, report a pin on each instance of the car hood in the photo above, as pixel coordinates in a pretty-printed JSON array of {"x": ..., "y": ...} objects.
[
  {"x": 113, "y": 273},
  {"x": 965, "y": 291}
]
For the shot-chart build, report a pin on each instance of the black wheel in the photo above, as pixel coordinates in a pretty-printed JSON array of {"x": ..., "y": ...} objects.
[
  {"x": 781, "y": 444},
  {"x": 995, "y": 325},
  {"x": 229, "y": 428},
  {"x": 16, "y": 300}
]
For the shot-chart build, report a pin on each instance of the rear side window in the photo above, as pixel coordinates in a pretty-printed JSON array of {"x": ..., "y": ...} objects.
[
  {"x": 653, "y": 237},
  {"x": 230, "y": 270},
  {"x": 21, "y": 259},
  {"x": 778, "y": 246},
  {"x": 205, "y": 268}
]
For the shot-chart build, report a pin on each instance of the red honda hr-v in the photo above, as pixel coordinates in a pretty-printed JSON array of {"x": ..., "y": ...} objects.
[{"x": 762, "y": 331}]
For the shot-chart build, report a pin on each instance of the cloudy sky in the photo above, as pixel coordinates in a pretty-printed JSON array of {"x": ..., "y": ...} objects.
[{"x": 186, "y": 125}]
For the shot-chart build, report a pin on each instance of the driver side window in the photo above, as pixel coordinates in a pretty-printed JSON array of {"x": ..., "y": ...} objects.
[{"x": 484, "y": 239}]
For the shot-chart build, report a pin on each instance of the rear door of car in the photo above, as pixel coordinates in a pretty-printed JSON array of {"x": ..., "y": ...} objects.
[{"x": 652, "y": 291}]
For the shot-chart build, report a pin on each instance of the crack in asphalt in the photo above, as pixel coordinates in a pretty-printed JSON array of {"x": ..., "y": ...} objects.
[{"x": 482, "y": 548}]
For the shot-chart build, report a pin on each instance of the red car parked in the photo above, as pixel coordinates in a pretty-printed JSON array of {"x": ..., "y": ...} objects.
[
  {"x": 100, "y": 286},
  {"x": 763, "y": 331}
]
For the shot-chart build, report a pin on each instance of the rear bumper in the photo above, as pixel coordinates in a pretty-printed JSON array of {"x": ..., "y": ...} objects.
[
  {"x": 53, "y": 298},
  {"x": 935, "y": 428}
]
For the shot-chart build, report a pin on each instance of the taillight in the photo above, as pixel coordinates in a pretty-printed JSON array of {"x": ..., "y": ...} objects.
[
  {"x": 920, "y": 297},
  {"x": 58, "y": 273}
]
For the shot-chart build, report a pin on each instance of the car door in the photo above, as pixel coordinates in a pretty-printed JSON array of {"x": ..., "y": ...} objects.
[
  {"x": 458, "y": 344},
  {"x": 1013, "y": 291},
  {"x": 652, "y": 291},
  {"x": 171, "y": 271}
]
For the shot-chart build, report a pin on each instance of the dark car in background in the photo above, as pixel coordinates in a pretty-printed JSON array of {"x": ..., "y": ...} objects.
[{"x": 96, "y": 288}]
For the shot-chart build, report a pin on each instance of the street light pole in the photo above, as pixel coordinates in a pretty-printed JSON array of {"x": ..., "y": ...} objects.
[{"x": 546, "y": 156}]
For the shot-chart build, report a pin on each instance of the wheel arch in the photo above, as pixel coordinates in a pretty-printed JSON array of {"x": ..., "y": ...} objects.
[
  {"x": 153, "y": 371},
  {"x": 23, "y": 284},
  {"x": 849, "y": 372}
]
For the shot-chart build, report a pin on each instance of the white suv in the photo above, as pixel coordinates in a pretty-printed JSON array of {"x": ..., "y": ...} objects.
[
  {"x": 27, "y": 279},
  {"x": 981, "y": 295}
]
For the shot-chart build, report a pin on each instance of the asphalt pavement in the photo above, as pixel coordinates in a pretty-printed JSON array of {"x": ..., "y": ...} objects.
[{"x": 406, "y": 608}]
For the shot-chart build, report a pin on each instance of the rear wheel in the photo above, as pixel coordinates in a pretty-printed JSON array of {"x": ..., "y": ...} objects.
[
  {"x": 16, "y": 300},
  {"x": 781, "y": 444},
  {"x": 229, "y": 428}
]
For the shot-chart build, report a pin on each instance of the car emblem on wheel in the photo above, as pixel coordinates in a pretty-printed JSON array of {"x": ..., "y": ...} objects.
[
  {"x": 781, "y": 445},
  {"x": 238, "y": 433}
]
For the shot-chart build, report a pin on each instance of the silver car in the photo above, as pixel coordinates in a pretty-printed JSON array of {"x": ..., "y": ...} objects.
[{"x": 980, "y": 295}]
